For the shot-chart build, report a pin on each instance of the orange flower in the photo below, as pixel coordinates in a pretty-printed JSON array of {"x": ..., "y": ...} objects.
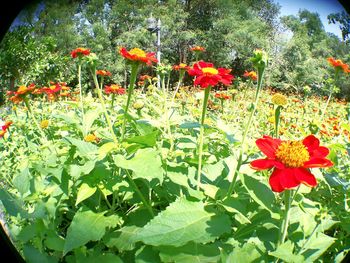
[
  {"x": 181, "y": 66},
  {"x": 15, "y": 99},
  {"x": 197, "y": 49},
  {"x": 222, "y": 96},
  {"x": 2, "y": 133},
  {"x": 103, "y": 73},
  {"x": 137, "y": 55},
  {"x": 114, "y": 89},
  {"x": 23, "y": 90},
  {"x": 251, "y": 75},
  {"x": 207, "y": 75},
  {"x": 338, "y": 64},
  {"x": 144, "y": 77},
  {"x": 6, "y": 125},
  {"x": 80, "y": 52},
  {"x": 52, "y": 89}
]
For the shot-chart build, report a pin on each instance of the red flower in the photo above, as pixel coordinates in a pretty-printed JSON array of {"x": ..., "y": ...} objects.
[
  {"x": 103, "y": 73},
  {"x": 207, "y": 75},
  {"x": 23, "y": 90},
  {"x": 52, "y": 89},
  {"x": 138, "y": 56},
  {"x": 145, "y": 77},
  {"x": 251, "y": 74},
  {"x": 291, "y": 160},
  {"x": 80, "y": 52},
  {"x": 6, "y": 125},
  {"x": 115, "y": 89}
]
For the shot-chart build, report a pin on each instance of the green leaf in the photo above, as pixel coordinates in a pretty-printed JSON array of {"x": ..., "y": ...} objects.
[
  {"x": 87, "y": 226},
  {"x": 12, "y": 204},
  {"x": 106, "y": 149},
  {"x": 285, "y": 252},
  {"x": 145, "y": 164},
  {"x": 190, "y": 253},
  {"x": 33, "y": 255},
  {"x": 84, "y": 149},
  {"x": 184, "y": 221},
  {"x": 147, "y": 254},
  {"x": 260, "y": 192},
  {"x": 84, "y": 192},
  {"x": 149, "y": 139},
  {"x": 123, "y": 238},
  {"x": 103, "y": 258},
  {"x": 22, "y": 181},
  {"x": 90, "y": 117},
  {"x": 252, "y": 251},
  {"x": 316, "y": 246}
]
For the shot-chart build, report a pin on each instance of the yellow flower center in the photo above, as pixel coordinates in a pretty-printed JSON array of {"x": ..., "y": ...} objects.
[
  {"x": 44, "y": 124},
  {"x": 292, "y": 153},
  {"x": 210, "y": 71},
  {"x": 138, "y": 52},
  {"x": 279, "y": 99},
  {"x": 22, "y": 89}
]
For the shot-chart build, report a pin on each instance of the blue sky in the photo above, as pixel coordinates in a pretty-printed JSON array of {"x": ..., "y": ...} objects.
[{"x": 322, "y": 7}]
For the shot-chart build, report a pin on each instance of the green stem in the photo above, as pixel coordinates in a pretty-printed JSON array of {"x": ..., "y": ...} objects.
[
  {"x": 246, "y": 130},
  {"x": 285, "y": 222},
  {"x": 330, "y": 93},
  {"x": 201, "y": 136},
  {"x": 277, "y": 119},
  {"x": 100, "y": 96},
  {"x": 81, "y": 98},
  {"x": 113, "y": 98},
  {"x": 137, "y": 190},
  {"x": 134, "y": 68},
  {"x": 177, "y": 88},
  {"x": 26, "y": 102}
]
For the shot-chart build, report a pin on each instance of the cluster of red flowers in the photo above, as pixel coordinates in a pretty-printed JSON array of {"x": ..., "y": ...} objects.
[
  {"x": 4, "y": 128},
  {"x": 55, "y": 89},
  {"x": 339, "y": 64}
]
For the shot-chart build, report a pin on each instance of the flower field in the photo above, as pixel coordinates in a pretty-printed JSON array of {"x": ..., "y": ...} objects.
[{"x": 224, "y": 169}]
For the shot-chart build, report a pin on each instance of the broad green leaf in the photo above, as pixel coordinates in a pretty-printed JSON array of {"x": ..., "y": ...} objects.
[
  {"x": 84, "y": 192},
  {"x": 85, "y": 149},
  {"x": 233, "y": 205},
  {"x": 190, "y": 253},
  {"x": 147, "y": 254},
  {"x": 33, "y": 255},
  {"x": 316, "y": 245},
  {"x": 184, "y": 221},
  {"x": 145, "y": 164},
  {"x": 87, "y": 226},
  {"x": 251, "y": 251},
  {"x": 149, "y": 139},
  {"x": 260, "y": 193},
  {"x": 123, "y": 238},
  {"x": 12, "y": 204},
  {"x": 285, "y": 252},
  {"x": 22, "y": 181},
  {"x": 105, "y": 149},
  {"x": 102, "y": 258},
  {"x": 189, "y": 125},
  {"x": 76, "y": 171},
  {"x": 90, "y": 117},
  {"x": 54, "y": 242},
  {"x": 213, "y": 171}
]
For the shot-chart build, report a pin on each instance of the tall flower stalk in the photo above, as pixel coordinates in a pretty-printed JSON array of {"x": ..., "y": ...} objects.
[
  {"x": 259, "y": 60},
  {"x": 79, "y": 53},
  {"x": 207, "y": 76},
  {"x": 135, "y": 57},
  {"x": 92, "y": 62}
]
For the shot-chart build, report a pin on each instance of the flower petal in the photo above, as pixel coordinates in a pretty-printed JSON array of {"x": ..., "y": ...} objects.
[
  {"x": 288, "y": 179},
  {"x": 320, "y": 152},
  {"x": 305, "y": 177},
  {"x": 318, "y": 162},
  {"x": 275, "y": 181},
  {"x": 268, "y": 146},
  {"x": 311, "y": 142},
  {"x": 262, "y": 164}
]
